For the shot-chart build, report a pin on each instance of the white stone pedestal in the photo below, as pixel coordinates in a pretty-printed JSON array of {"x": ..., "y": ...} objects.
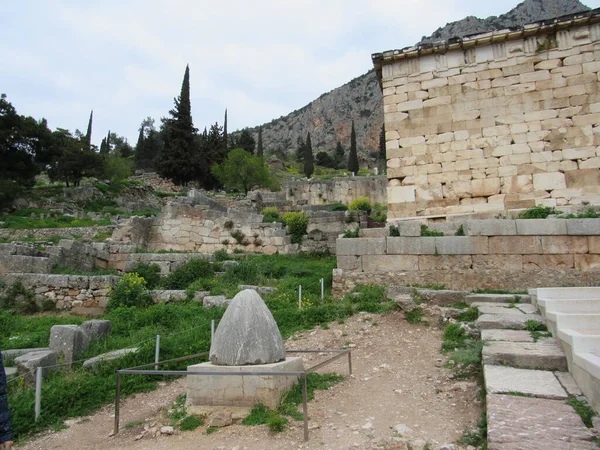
[{"x": 240, "y": 390}]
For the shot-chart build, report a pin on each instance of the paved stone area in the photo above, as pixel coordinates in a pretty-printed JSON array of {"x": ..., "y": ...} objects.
[
  {"x": 497, "y": 308},
  {"x": 525, "y": 355},
  {"x": 539, "y": 383},
  {"x": 568, "y": 383},
  {"x": 506, "y": 335},
  {"x": 497, "y": 298},
  {"x": 506, "y": 321},
  {"x": 534, "y": 424}
]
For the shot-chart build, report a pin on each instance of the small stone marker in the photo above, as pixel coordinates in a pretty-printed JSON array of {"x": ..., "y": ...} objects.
[
  {"x": 28, "y": 363},
  {"x": 247, "y": 333},
  {"x": 68, "y": 340}
]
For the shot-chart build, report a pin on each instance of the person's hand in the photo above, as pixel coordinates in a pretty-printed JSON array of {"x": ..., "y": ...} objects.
[{"x": 8, "y": 445}]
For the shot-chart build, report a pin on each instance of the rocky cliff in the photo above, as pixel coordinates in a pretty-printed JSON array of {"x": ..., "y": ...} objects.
[{"x": 329, "y": 118}]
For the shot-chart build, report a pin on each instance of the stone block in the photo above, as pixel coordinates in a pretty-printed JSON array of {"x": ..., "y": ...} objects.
[
  {"x": 583, "y": 227},
  {"x": 549, "y": 181},
  {"x": 541, "y": 227},
  {"x": 586, "y": 262},
  {"x": 537, "y": 262},
  {"x": 490, "y": 227},
  {"x": 443, "y": 297},
  {"x": 360, "y": 246},
  {"x": 506, "y": 335},
  {"x": 538, "y": 383},
  {"x": 240, "y": 390},
  {"x": 69, "y": 341},
  {"x": 594, "y": 244},
  {"x": 504, "y": 262},
  {"x": 351, "y": 263},
  {"x": 401, "y": 194},
  {"x": 390, "y": 263},
  {"x": 93, "y": 363},
  {"x": 210, "y": 301},
  {"x": 453, "y": 245},
  {"x": 541, "y": 355},
  {"x": 534, "y": 423},
  {"x": 28, "y": 363},
  {"x": 410, "y": 246},
  {"x": 96, "y": 328},
  {"x": 485, "y": 187},
  {"x": 506, "y": 321},
  {"x": 564, "y": 244},
  {"x": 410, "y": 229},
  {"x": 445, "y": 262},
  {"x": 515, "y": 245}
]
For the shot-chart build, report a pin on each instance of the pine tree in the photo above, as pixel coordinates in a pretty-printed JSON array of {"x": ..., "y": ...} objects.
[
  {"x": 180, "y": 159},
  {"x": 259, "y": 146},
  {"x": 353, "y": 157},
  {"x": 103, "y": 149},
  {"x": 381, "y": 157},
  {"x": 88, "y": 135},
  {"x": 309, "y": 166}
]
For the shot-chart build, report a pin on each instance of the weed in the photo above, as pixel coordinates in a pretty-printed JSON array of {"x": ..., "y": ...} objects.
[
  {"x": 188, "y": 272},
  {"x": 101, "y": 236},
  {"x": 277, "y": 423},
  {"x": 297, "y": 224},
  {"x": 131, "y": 290},
  {"x": 537, "y": 335},
  {"x": 259, "y": 415},
  {"x": 426, "y": 232},
  {"x": 469, "y": 315},
  {"x": 225, "y": 242},
  {"x": 270, "y": 213},
  {"x": 584, "y": 410},
  {"x": 177, "y": 411},
  {"x": 414, "y": 316},
  {"x": 538, "y": 212},
  {"x": 211, "y": 430},
  {"x": 149, "y": 272},
  {"x": 221, "y": 255},
  {"x": 338, "y": 207},
  {"x": 239, "y": 236},
  {"x": 350, "y": 218},
  {"x": 352, "y": 233},
  {"x": 394, "y": 230},
  {"x": 190, "y": 423},
  {"x": 134, "y": 424},
  {"x": 460, "y": 231},
  {"x": 19, "y": 299},
  {"x": 534, "y": 325},
  {"x": 360, "y": 204},
  {"x": 454, "y": 337},
  {"x": 228, "y": 225},
  {"x": 467, "y": 360}
]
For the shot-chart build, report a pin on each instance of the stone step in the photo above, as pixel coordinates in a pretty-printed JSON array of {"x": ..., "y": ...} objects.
[
  {"x": 573, "y": 320},
  {"x": 570, "y": 306},
  {"x": 505, "y": 308},
  {"x": 568, "y": 293},
  {"x": 506, "y": 321},
  {"x": 506, "y": 335},
  {"x": 535, "y": 423},
  {"x": 542, "y": 355},
  {"x": 580, "y": 339},
  {"x": 498, "y": 298},
  {"x": 10, "y": 372},
  {"x": 590, "y": 362},
  {"x": 538, "y": 383}
]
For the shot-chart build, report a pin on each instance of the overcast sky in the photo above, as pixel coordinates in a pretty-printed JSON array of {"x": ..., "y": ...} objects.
[{"x": 261, "y": 59}]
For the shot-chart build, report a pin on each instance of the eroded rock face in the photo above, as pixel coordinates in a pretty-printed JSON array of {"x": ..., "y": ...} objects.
[{"x": 247, "y": 333}]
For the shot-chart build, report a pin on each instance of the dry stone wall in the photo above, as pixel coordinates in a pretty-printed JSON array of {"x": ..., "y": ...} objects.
[
  {"x": 497, "y": 121},
  {"x": 342, "y": 190},
  {"x": 494, "y": 254}
]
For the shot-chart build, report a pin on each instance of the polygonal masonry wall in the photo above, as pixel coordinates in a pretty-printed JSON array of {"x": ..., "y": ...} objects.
[{"x": 497, "y": 121}]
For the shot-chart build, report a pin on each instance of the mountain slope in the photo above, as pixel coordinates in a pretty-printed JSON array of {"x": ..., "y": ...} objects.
[{"x": 328, "y": 118}]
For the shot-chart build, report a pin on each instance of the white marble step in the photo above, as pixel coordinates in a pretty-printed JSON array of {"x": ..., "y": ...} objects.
[
  {"x": 580, "y": 339},
  {"x": 588, "y": 361},
  {"x": 571, "y": 306},
  {"x": 573, "y": 320},
  {"x": 568, "y": 293}
]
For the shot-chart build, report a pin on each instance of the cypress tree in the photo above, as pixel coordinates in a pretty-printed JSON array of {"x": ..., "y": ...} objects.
[
  {"x": 180, "y": 159},
  {"x": 88, "y": 135},
  {"x": 339, "y": 155},
  {"x": 309, "y": 166},
  {"x": 225, "y": 138},
  {"x": 353, "y": 157},
  {"x": 103, "y": 150},
  {"x": 381, "y": 157},
  {"x": 259, "y": 146}
]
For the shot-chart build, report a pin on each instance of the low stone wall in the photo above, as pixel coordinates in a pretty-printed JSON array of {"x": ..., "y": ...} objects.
[
  {"x": 493, "y": 254},
  {"x": 76, "y": 293},
  {"x": 342, "y": 190},
  {"x": 47, "y": 233}
]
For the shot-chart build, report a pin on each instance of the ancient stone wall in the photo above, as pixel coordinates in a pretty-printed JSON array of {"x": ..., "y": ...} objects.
[
  {"x": 47, "y": 233},
  {"x": 496, "y": 121},
  {"x": 342, "y": 190},
  {"x": 494, "y": 254},
  {"x": 69, "y": 292}
]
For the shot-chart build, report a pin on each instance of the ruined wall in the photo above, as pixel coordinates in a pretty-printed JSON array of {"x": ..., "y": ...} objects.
[
  {"x": 497, "y": 121},
  {"x": 342, "y": 190},
  {"x": 494, "y": 254}
]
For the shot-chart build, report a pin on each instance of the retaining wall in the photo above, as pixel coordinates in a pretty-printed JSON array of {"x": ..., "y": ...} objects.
[
  {"x": 494, "y": 254},
  {"x": 342, "y": 190}
]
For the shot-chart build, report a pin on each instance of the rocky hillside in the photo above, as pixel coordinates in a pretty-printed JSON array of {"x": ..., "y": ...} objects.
[{"x": 328, "y": 118}]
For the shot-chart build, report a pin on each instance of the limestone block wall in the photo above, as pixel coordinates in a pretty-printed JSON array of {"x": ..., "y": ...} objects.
[
  {"x": 496, "y": 121},
  {"x": 342, "y": 190},
  {"x": 76, "y": 293},
  {"x": 494, "y": 254},
  {"x": 46, "y": 233}
]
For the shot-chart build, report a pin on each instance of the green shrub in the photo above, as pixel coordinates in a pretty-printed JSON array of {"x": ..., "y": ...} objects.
[
  {"x": 149, "y": 272},
  {"x": 350, "y": 218},
  {"x": 130, "y": 291},
  {"x": 360, "y": 204},
  {"x": 221, "y": 255},
  {"x": 297, "y": 224},
  {"x": 277, "y": 423},
  {"x": 538, "y": 212},
  {"x": 187, "y": 273},
  {"x": 460, "y": 231},
  {"x": 469, "y": 315},
  {"x": 394, "y": 230},
  {"x": 534, "y": 325},
  {"x": 425, "y": 231},
  {"x": 19, "y": 299},
  {"x": 414, "y": 316},
  {"x": 270, "y": 213},
  {"x": 190, "y": 423},
  {"x": 338, "y": 207},
  {"x": 239, "y": 237},
  {"x": 246, "y": 272},
  {"x": 454, "y": 337}
]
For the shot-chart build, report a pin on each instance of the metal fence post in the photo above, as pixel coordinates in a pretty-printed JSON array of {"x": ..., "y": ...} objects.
[
  {"x": 157, "y": 352},
  {"x": 117, "y": 403},
  {"x": 212, "y": 330},
  {"x": 38, "y": 391},
  {"x": 300, "y": 296},
  {"x": 322, "y": 288},
  {"x": 305, "y": 405}
]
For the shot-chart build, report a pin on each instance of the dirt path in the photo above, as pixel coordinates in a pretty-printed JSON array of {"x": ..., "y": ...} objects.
[{"x": 398, "y": 379}]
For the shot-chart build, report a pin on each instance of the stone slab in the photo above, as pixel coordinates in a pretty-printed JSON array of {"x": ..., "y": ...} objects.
[
  {"x": 539, "y": 383},
  {"x": 240, "y": 390},
  {"x": 542, "y": 355},
  {"x": 15, "y": 353},
  {"x": 497, "y": 308},
  {"x": 93, "y": 363},
  {"x": 506, "y": 321},
  {"x": 10, "y": 372},
  {"x": 506, "y": 335},
  {"x": 533, "y": 424},
  {"x": 443, "y": 297},
  {"x": 568, "y": 383},
  {"x": 497, "y": 298}
]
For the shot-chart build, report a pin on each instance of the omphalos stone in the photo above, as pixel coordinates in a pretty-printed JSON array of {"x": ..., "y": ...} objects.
[{"x": 247, "y": 333}]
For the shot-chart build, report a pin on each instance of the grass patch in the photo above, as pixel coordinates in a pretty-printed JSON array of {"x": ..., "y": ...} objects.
[
  {"x": 211, "y": 430},
  {"x": 31, "y": 219},
  {"x": 538, "y": 212},
  {"x": 469, "y": 315},
  {"x": 414, "y": 316},
  {"x": 352, "y": 233},
  {"x": 190, "y": 423},
  {"x": 584, "y": 410},
  {"x": 534, "y": 325},
  {"x": 536, "y": 335},
  {"x": 134, "y": 424},
  {"x": 426, "y": 232}
]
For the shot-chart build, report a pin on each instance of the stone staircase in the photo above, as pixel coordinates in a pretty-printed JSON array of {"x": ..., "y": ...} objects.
[
  {"x": 526, "y": 380},
  {"x": 573, "y": 316}
]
